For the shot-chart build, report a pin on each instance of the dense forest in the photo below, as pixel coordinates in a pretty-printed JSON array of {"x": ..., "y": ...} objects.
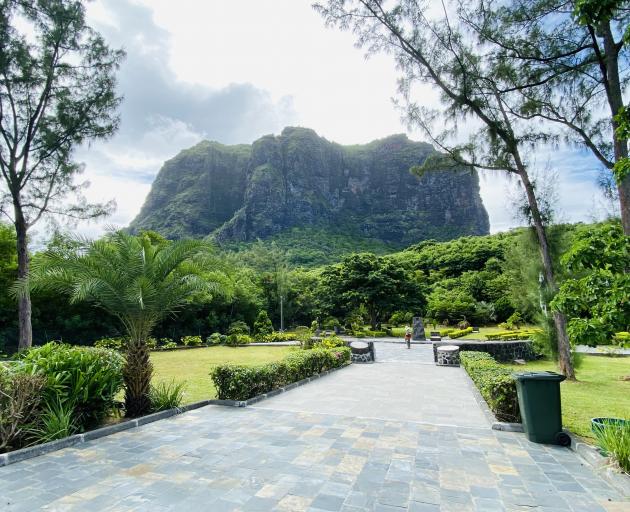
[{"x": 479, "y": 279}]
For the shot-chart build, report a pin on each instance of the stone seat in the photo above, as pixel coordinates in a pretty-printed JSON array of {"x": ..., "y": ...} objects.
[
  {"x": 448, "y": 355},
  {"x": 362, "y": 352}
]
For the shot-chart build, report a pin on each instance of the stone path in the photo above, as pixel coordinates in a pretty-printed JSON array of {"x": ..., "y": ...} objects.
[{"x": 271, "y": 457}]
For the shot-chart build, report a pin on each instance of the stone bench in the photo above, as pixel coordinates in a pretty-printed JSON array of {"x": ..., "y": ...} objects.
[{"x": 448, "y": 355}]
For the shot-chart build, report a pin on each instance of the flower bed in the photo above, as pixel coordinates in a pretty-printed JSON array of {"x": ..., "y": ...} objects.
[{"x": 238, "y": 382}]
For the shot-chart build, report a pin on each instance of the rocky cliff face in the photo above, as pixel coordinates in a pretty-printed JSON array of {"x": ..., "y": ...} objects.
[{"x": 298, "y": 179}]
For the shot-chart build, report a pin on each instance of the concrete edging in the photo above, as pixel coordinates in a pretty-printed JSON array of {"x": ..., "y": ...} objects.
[{"x": 40, "y": 449}]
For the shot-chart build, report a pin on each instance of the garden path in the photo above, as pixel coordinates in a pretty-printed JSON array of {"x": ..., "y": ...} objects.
[{"x": 292, "y": 454}]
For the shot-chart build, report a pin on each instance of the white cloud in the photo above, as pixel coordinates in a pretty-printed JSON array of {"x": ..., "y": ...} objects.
[{"x": 233, "y": 70}]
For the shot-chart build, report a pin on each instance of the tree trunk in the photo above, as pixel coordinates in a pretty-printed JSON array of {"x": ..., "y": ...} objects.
[
  {"x": 137, "y": 375},
  {"x": 24, "y": 302},
  {"x": 615, "y": 101},
  {"x": 559, "y": 318}
]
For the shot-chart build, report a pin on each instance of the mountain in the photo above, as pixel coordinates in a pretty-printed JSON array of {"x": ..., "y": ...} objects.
[{"x": 298, "y": 180}]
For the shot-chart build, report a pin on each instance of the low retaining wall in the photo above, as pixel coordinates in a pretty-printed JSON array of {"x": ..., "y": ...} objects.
[{"x": 502, "y": 351}]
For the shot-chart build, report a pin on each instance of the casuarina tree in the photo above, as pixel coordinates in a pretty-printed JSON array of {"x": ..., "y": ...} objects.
[
  {"x": 57, "y": 91},
  {"x": 431, "y": 48},
  {"x": 566, "y": 65},
  {"x": 135, "y": 279}
]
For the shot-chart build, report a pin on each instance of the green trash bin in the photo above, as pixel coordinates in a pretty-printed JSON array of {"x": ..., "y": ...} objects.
[{"x": 539, "y": 402}]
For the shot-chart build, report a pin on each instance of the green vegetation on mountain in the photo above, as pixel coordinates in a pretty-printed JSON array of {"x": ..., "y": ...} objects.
[{"x": 299, "y": 185}]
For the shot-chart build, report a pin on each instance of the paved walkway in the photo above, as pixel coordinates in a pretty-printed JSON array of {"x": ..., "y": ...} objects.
[{"x": 284, "y": 456}]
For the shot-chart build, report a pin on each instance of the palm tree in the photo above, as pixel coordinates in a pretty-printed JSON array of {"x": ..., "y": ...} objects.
[{"x": 137, "y": 279}]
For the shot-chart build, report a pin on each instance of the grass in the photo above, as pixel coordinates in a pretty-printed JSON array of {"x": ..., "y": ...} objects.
[
  {"x": 599, "y": 391},
  {"x": 193, "y": 366}
]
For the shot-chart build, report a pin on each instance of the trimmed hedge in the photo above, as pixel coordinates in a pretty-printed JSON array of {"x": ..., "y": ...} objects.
[
  {"x": 523, "y": 334},
  {"x": 459, "y": 333},
  {"x": 238, "y": 382},
  {"x": 495, "y": 383},
  {"x": 446, "y": 332}
]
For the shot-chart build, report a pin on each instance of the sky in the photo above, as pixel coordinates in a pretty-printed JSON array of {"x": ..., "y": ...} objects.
[{"x": 234, "y": 70}]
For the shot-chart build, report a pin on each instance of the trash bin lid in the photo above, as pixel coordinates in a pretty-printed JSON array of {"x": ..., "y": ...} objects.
[{"x": 539, "y": 376}]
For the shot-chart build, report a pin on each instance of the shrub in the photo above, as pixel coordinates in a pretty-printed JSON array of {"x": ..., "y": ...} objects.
[
  {"x": 524, "y": 334},
  {"x": 111, "y": 343},
  {"x": 400, "y": 318},
  {"x": 514, "y": 321},
  {"x": 237, "y": 382},
  {"x": 330, "y": 323},
  {"x": 152, "y": 343},
  {"x": 495, "y": 383},
  {"x": 166, "y": 395},
  {"x": 263, "y": 325},
  {"x": 376, "y": 334},
  {"x": 622, "y": 338},
  {"x": 86, "y": 377},
  {"x": 169, "y": 345},
  {"x": 192, "y": 341},
  {"x": 235, "y": 340},
  {"x": 447, "y": 331},
  {"x": 238, "y": 327},
  {"x": 464, "y": 324},
  {"x": 331, "y": 342},
  {"x": 614, "y": 439},
  {"x": 20, "y": 396},
  {"x": 276, "y": 336},
  {"x": 56, "y": 422},
  {"x": 214, "y": 339},
  {"x": 459, "y": 333}
]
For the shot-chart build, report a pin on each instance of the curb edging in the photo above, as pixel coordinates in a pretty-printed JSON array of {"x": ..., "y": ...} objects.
[{"x": 41, "y": 449}]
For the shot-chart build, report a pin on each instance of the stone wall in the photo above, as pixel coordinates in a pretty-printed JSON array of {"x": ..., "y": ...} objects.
[{"x": 502, "y": 351}]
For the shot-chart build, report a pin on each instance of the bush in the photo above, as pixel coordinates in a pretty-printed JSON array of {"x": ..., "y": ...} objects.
[
  {"x": 331, "y": 342},
  {"x": 192, "y": 341},
  {"x": 330, "y": 323},
  {"x": 20, "y": 396},
  {"x": 622, "y": 338},
  {"x": 376, "y": 334},
  {"x": 238, "y": 327},
  {"x": 235, "y": 340},
  {"x": 56, "y": 422},
  {"x": 524, "y": 334},
  {"x": 237, "y": 382},
  {"x": 111, "y": 343},
  {"x": 152, "y": 343},
  {"x": 495, "y": 383},
  {"x": 166, "y": 395},
  {"x": 215, "y": 339},
  {"x": 169, "y": 345},
  {"x": 276, "y": 336},
  {"x": 464, "y": 324},
  {"x": 459, "y": 333},
  {"x": 447, "y": 331},
  {"x": 514, "y": 321},
  {"x": 614, "y": 439},
  {"x": 262, "y": 325},
  {"x": 400, "y": 318},
  {"x": 86, "y": 377}
]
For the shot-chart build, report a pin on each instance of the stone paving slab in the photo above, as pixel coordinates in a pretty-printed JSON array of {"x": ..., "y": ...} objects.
[
  {"x": 260, "y": 459},
  {"x": 247, "y": 459},
  {"x": 397, "y": 390}
]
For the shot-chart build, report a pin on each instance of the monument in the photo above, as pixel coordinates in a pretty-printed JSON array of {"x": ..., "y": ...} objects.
[{"x": 418, "y": 329}]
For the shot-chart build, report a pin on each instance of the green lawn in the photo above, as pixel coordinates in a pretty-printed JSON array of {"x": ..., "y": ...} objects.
[
  {"x": 193, "y": 366},
  {"x": 599, "y": 391}
]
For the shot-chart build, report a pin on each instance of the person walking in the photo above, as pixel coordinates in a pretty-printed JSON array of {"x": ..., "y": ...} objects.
[{"x": 408, "y": 336}]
